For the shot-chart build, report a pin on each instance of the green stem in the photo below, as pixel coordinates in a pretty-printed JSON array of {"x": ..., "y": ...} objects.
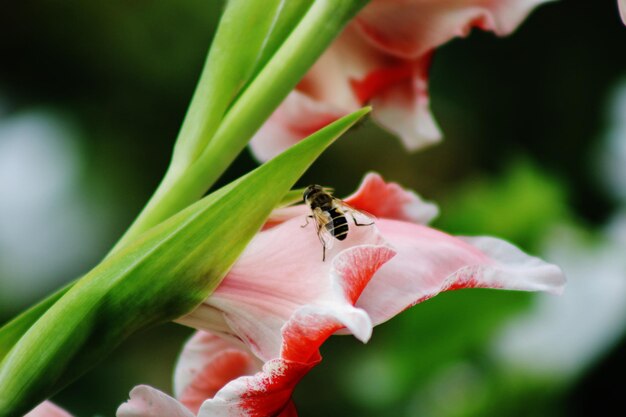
[{"x": 245, "y": 28}]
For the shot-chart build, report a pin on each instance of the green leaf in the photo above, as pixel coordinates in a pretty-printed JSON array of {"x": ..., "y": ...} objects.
[
  {"x": 290, "y": 14},
  {"x": 162, "y": 275},
  {"x": 11, "y": 332},
  {"x": 242, "y": 34}
]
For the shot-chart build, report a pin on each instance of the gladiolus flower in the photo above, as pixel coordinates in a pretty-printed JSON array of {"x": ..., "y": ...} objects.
[
  {"x": 264, "y": 324},
  {"x": 383, "y": 58},
  {"x": 48, "y": 409}
]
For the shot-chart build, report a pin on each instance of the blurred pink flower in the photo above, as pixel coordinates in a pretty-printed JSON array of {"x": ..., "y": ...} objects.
[
  {"x": 621, "y": 4},
  {"x": 266, "y": 321},
  {"x": 383, "y": 58},
  {"x": 48, "y": 409}
]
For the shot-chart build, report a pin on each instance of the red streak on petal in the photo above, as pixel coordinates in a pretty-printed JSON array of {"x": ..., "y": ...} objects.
[
  {"x": 270, "y": 393},
  {"x": 306, "y": 86},
  {"x": 381, "y": 199},
  {"x": 459, "y": 285},
  {"x": 312, "y": 124},
  {"x": 378, "y": 80},
  {"x": 466, "y": 278},
  {"x": 304, "y": 336},
  {"x": 271, "y": 396},
  {"x": 369, "y": 261}
]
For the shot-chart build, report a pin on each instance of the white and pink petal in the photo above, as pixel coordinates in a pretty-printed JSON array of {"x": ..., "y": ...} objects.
[
  {"x": 267, "y": 393},
  {"x": 296, "y": 118},
  {"x": 404, "y": 109},
  {"x": 429, "y": 262},
  {"x": 398, "y": 92},
  {"x": 389, "y": 200},
  {"x": 282, "y": 272},
  {"x": 280, "y": 301},
  {"x": 411, "y": 28},
  {"x": 48, "y": 409},
  {"x": 206, "y": 364},
  {"x": 324, "y": 95},
  {"x": 146, "y": 401},
  {"x": 510, "y": 269}
]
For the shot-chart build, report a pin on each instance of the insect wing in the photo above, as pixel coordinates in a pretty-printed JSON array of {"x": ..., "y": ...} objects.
[
  {"x": 325, "y": 236},
  {"x": 361, "y": 218}
]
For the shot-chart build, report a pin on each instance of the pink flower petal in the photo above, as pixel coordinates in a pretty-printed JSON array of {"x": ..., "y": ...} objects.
[
  {"x": 282, "y": 302},
  {"x": 398, "y": 92},
  {"x": 256, "y": 302},
  {"x": 348, "y": 58},
  {"x": 146, "y": 401},
  {"x": 429, "y": 262},
  {"x": 206, "y": 364},
  {"x": 296, "y": 118},
  {"x": 269, "y": 391},
  {"x": 390, "y": 201},
  {"x": 512, "y": 269},
  {"x": 621, "y": 4},
  {"x": 247, "y": 392},
  {"x": 319, "y": 309},
  {"x": 404, "y": 109},
  {"x": 410, "y": 28},
  {"x": 48, "y": 409},
  {"x": 324, "y": 95}
]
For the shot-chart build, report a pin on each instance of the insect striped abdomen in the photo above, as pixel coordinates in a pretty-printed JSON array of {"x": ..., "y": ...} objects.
[
  {"x": 338, "y": 227},
  {"x": 329, "y": 214}
]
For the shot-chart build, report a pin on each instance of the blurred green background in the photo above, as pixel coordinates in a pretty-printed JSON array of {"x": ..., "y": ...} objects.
[{"x": 92, "y": 95}]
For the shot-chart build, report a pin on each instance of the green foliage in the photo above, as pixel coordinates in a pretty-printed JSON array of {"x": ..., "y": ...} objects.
[
  {"x": 518, "y": 206},
  {"x": 290, "y": 14},
  {"x": 482, "y": 390}
]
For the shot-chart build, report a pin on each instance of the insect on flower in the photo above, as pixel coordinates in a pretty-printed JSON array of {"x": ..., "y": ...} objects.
[{"x": 329, "y": 214}]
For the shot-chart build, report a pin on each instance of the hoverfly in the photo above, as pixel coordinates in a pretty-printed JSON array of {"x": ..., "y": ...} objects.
[{"x": 329, "y": 214}]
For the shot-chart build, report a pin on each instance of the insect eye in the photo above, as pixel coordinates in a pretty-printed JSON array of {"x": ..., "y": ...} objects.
[{"x": 310, "y": 190}]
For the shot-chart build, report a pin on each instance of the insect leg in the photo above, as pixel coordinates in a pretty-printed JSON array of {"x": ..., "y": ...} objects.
[
  {"x": 319, "y": 235},
  {"x": 307, "y": 221},
  {"x": 356, "y": 223}
]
